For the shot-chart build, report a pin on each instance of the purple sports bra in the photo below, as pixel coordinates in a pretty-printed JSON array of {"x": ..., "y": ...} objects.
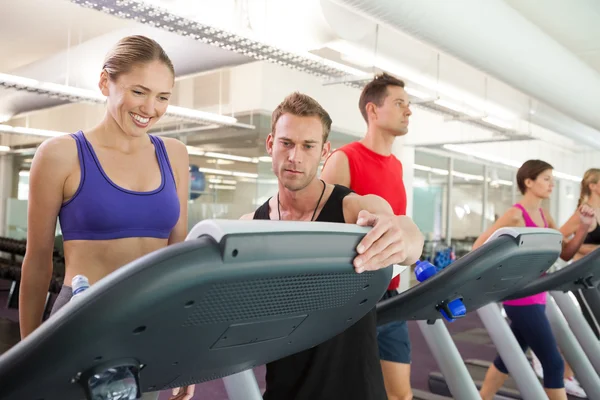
[{"x": 102, "y": 210}]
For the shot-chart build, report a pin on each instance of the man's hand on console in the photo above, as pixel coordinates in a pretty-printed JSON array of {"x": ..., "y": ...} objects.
[{"x": 393, "y": 240}]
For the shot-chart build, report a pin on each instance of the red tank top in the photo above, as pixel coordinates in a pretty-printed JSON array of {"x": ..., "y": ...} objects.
[{"x": 373, "y": 173}]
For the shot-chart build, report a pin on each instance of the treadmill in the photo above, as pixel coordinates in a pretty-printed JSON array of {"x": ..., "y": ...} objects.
[
  {"x": 232, "y": 296},
  {"x": 575, "y": 337},
  {"x": 237, "y": 294},
  {"x": 509, "y": 260}
]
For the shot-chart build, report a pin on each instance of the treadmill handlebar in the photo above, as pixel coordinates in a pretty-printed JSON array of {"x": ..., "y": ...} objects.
[
  {"x": 219, "y": 228},
  {"x": 521, "y": 231},
  {"x": 450, "y": 310}
]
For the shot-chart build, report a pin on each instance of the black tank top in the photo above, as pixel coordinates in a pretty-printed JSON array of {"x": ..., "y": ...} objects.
[
  {"x": 593, "y": 237},
  {"x": 346, "y": 366}
]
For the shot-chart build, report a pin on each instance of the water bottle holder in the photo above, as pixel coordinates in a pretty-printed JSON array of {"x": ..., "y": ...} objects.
[
  {"x": 124, "y": 373},
  {"x": 444, "y": 309},
  {"x": 586, "y": 283}
]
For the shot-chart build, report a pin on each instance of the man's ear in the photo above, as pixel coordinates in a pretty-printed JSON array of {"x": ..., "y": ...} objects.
[
  {"x": 326, "y": 150},
  {"x": 371, "y": 111},
  {"x": 269, "y": 143}
]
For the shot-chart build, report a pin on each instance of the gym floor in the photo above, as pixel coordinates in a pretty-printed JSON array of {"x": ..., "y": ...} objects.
[{"x": 469, "y": 335}]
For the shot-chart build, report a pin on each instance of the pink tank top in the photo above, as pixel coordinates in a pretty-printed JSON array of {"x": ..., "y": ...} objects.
[{"x": 539, "y": 298}]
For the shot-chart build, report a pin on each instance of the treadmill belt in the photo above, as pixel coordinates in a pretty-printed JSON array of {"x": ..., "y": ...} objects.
[{"x": 477, "y": 370}]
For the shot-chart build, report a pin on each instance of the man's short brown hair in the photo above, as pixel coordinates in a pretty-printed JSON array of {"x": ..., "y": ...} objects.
[
  {"x": 302, "y": 105},
  {"x": 376, "y": 91}
]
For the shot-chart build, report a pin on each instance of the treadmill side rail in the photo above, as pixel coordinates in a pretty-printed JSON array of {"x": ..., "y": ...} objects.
[
  {"x": 572, "y": 351},
  {"x": 503, "y": 265}
]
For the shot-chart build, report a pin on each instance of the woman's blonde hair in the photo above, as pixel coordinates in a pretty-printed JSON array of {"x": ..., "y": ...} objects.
[
  {"x": 591, "y": 176},
  {"x": 133, "y": 50}
]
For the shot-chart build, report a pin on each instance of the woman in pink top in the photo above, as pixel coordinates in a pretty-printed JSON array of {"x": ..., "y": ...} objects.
[{"x": 529, "y": 323}]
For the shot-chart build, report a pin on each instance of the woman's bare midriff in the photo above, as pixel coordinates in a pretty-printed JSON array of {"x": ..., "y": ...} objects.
[{"x": 97, "y": 258}]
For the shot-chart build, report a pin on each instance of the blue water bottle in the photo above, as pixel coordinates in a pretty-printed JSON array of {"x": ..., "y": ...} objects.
[
  {"x": 449, "y": 310},
  {"x": 424, "y": 270}
]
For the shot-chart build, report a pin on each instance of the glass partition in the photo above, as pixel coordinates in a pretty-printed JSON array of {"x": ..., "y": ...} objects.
[
  {"x": 430, "y": 185},
  {"x": 232, "y": 177},
  {"x": 500, "y": 193}
]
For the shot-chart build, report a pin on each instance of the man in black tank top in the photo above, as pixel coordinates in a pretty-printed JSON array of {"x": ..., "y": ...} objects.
[{"x": 347, "y": 365}]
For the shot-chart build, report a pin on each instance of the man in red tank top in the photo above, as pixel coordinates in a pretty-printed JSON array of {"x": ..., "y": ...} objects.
[{"x": 369, "y": 167}]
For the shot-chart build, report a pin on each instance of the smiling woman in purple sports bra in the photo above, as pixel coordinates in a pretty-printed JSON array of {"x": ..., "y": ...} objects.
[
  {"x": 529, "y": 323},
  {"x": 119, "y": 192}
]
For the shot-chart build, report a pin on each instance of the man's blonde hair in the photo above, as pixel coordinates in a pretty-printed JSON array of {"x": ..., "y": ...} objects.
[{"x": 302, "y": 105}]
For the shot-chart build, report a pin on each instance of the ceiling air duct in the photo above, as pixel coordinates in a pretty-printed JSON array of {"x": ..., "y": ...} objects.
[{"x": 495, "y": 38}]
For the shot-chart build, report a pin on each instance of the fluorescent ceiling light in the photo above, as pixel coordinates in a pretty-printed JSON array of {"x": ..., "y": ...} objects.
[
  {"x": 497, "y": 122},
  {"x": 4, "y": 148},
  {"x": 219, "y": 161},
  {"x": 245, "y": 174},
  {"x": 231, "y": 157},
  {"x": 251, "y": 180},
  {"x": 29, "y": 131},
  {"x": 223, "y": 181},
  {"x": 430, "y": 169},
  {"x": 265, "y": 159},
  {"x": 268, "y": 181},
  {"x": 74, "y": 94},
  {"x": 568, "y": 177},
  {"x": 62, "y": 92},
  {"x": 468, "y": 177},
  {"x": 216, "y": 171},
  {"x": 483, "y": 156},
  {"x": 421, "y": 168},
  {"x": 199, "y": 116},
  {"x": 222, "y": 187},
  {"x": 194, "y": 151},
  {"x": 228, "y": 173},
  {"x": 197, "y": 152}
]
